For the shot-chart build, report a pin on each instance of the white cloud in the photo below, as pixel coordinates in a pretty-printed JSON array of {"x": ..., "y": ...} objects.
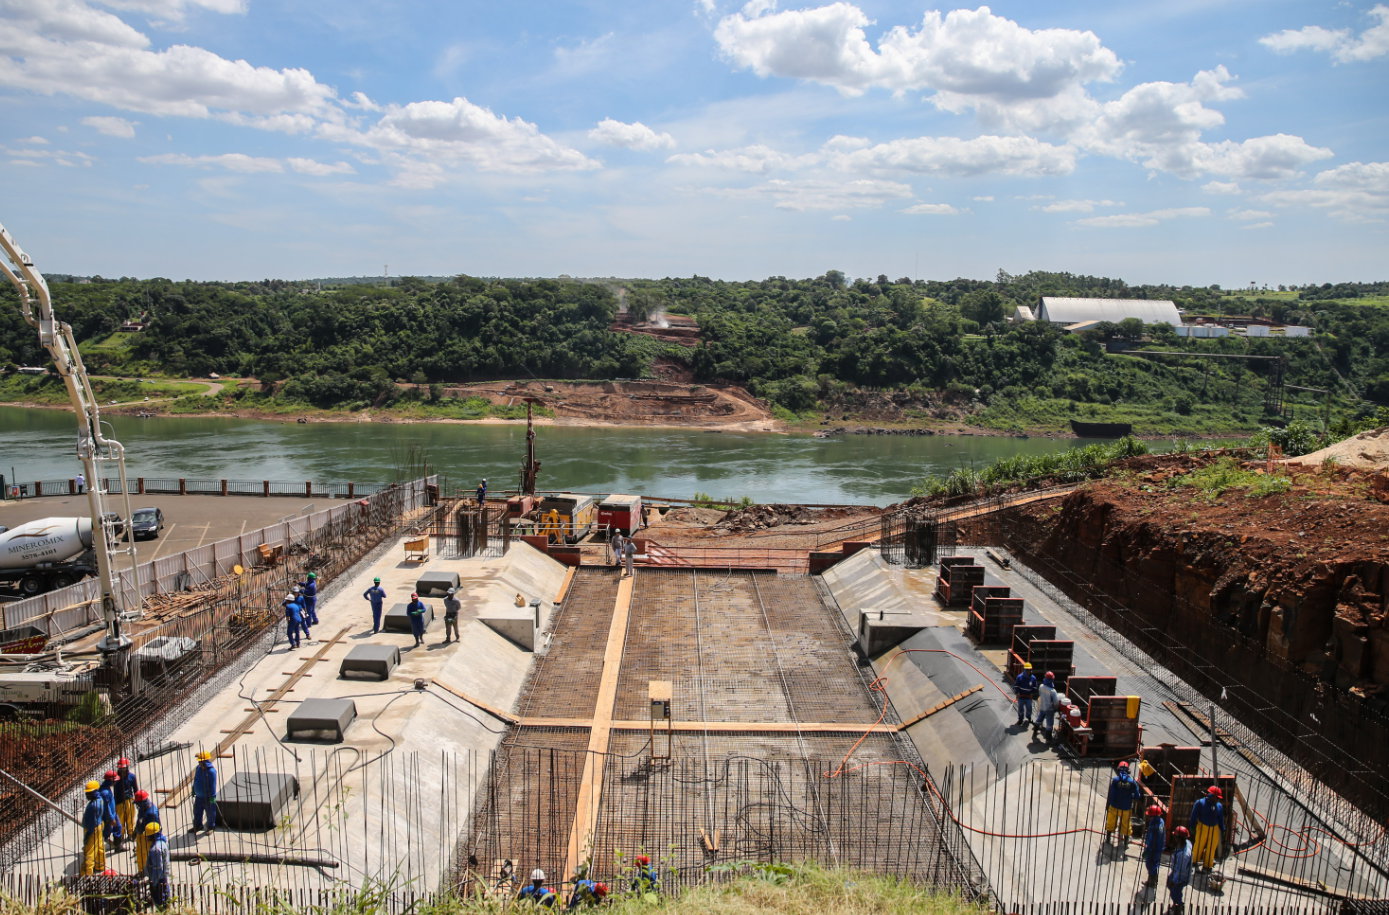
[
  {"x": 969, "y": 57},
  {"x": 988, "y": 198},
  {"x": 1077, "y": 206},
  {"x": 756, "y": 159},
  {"x": 235, "y": 162},
  {"x": 172, "y": 12},
  {"x": 635, "y": 135},
  {"x": 819, "y": 194},
  {"x": 40, "y": 153},
  {"x": 1355, "y": 192},
  {"x": 1247, "y": 215},
  {"x": 1222, "y": 187},
  {"x": 111, "y": 126},
  {"x": 1142, "y": 220},
  {"x": 932, "y": 209},
  {"x": 1258, "y": 225},
  {"x": 986, "y": 155},
  {"x": 41, "y": 141},
  {"x": 319, "y": 169},
  {"x": 1341, "y": 44},
  {"x": 842, "y": 217}
]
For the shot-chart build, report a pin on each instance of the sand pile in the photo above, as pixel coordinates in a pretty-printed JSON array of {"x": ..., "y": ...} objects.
[{"x": 1366, "y": 451}]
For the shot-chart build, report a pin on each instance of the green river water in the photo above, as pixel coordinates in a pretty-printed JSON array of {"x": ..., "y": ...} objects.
[{"x": 853, "y": 469}]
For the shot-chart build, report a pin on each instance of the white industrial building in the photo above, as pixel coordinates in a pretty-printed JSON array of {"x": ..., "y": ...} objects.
[{"x": 1067, "y": 311}]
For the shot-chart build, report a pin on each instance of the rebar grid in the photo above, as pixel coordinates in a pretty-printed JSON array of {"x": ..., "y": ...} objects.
[{"x": 564, "y": 681}]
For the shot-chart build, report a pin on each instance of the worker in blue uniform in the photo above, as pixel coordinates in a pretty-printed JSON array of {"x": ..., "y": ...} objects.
[
  {"x": 587, "y": 892},
  {"x": 204, "y": 793},
  {"x": 157, "y": 865},
  {"x": 145, "y": 814},
  {"x": 1207, "y": 822},
  {"x": 125, "y": 788},
  {"x": 1123, "y": 791},
  {"x": 1154, "y": 840},
  {"x": 1025, "y": 688},
  {"x": 415, "y": 610},
  {"x": 647, "y": 879},
  {"x": 377, "y": 595},
  {"x": 113, "y": 823},
  {"x": 1180, "y": 876},
  {"x": 294, "y": 620},
  {"x": 93, "y": 860},
  {"x": 308, "y": 590},
  {"x": 537, "y": 892}
]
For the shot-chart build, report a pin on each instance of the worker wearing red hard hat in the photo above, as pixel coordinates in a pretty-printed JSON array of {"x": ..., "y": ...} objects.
[
  {"x": 1154, "y": 840},
  {"x": 1048, "y": 701},
  {"x": 415, "y": 611},
  {"x": 1207, "y": 821},
  {"x": 125, "y": 788},
  {"x": 1123, "y": 791},
  {"x": 114, "y": 835},
  {"x": 1180, "y": 876},
  {"x": 147, "y": 813},
  {"x": 647, "y": 879}
]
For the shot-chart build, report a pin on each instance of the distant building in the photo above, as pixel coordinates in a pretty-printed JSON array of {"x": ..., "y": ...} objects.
[
  {"x": 1201, "y": 331},
  {"x": 1068, "y": 311},
  {"x": 1023, "y": 313}
]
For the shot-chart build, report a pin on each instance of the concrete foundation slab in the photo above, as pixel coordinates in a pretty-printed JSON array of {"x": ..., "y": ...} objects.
[
  {"x": 255, "y": 800},
  {"x": 373, "y": 660},
  {"x": 333, "y": 715}
]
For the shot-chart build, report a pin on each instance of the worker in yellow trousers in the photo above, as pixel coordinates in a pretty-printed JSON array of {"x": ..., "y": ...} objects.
[
  {"x": 1123, "y": 791},
  {"x": 93, "y": 842},
  {"x": 149, "y": 813},
  {"x": 1207, "y": 821},
  {"x": 125, "y": 788}
]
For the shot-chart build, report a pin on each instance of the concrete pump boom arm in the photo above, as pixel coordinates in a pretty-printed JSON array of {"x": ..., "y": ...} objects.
[{"x": 93, "y": 446}]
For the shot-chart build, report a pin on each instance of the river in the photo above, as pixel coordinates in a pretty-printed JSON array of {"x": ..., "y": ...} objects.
[{"x": 39, "y": 444}]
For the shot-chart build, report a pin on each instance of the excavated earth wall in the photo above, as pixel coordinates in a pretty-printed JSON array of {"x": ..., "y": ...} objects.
[{"x": 1282, "y": 602}]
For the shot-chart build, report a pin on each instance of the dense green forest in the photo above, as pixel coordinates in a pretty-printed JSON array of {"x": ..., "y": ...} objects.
[{"x": 799, "y": 343}]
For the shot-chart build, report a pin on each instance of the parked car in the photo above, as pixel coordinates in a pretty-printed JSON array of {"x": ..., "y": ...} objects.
[
  {"x": 114, "y": 524},
  {"x": 147, "y": 522}
]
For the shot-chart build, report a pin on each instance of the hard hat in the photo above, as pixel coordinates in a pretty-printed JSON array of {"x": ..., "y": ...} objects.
[
  {"x": 1027, "y": 666},
  {"x": 1215, "y": 792},
  {"x": 294, "y": 590},
  {"x": 93, "y": 785},
  {"x": 1049, "y": 676},
  {"x": 643, "y": 860},
  {"x": 111, "y": 774},
  {"x": 122, "y": 763},
  {"x": 413, "y": 595},
  {"x": 142, "y": 795},
  {"x": 600, "y": 890},
  {"x": 377, "y": 580},
  {"x": 1123, "y": 764},
  {"x": 204, "y": 755},
  {"x": 1154, "y": 811},
  {"x": 538, "y": 875},
  {"x": 313, "y": 576},
  {"x": 452, "y": 591},
  {"x": 152, "y": 829},
  {"x": 1180, "y": 832}
]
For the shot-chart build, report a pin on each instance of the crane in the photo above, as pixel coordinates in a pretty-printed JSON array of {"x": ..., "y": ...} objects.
[{"x": 95, "y": 449}]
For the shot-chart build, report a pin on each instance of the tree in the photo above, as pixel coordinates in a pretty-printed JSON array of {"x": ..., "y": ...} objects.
[{"x": 1131, "y": 329}]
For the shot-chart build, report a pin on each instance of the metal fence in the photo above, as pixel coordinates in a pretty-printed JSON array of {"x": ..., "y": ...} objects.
[
  {"x": 69, "y": 611},
  {"x": 184, "y": 486}
]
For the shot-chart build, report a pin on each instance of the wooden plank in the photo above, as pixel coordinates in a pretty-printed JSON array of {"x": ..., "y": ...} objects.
[
  {"x": 721, "y": 727},
  {"x": 564, "y": 585},
  {"x": 478, "y": 703},
  {"x": 940, "y": 706},
  {"x": 600, "y": 734}
]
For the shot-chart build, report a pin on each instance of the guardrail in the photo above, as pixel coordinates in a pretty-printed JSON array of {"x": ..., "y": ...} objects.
[{"x": 183, "y": 486}]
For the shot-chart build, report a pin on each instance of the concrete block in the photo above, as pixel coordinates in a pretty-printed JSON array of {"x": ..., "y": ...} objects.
[
  {"x": 374, "y": 660},
  {"x": 315, "y": 715},
  {"x": 515, "y": 624},
  {"x": 397, "y": 620},
  {"x": 881, "y": 629},
  {"x": 436, "y": 583},
  {"x": 255, "y": 800}
]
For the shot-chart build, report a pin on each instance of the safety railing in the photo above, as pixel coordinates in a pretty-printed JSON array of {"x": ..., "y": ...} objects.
[{"x": 31, "y": 489}]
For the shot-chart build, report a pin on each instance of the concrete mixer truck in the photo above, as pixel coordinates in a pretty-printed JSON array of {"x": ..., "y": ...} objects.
[{"x": 49, "y": 553}]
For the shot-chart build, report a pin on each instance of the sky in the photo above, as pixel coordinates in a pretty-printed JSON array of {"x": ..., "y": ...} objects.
[{"x": 1181, "y": 141}]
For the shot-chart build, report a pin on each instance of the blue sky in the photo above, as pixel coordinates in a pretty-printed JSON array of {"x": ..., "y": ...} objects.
[{"x": 1188, "y": 141}]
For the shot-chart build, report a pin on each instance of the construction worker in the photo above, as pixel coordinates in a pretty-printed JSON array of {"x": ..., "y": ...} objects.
[
  {"x": 550, "y": 525},
  {"x": 147, "y": 814},
  {"x": 1048, "y": 701},
  {"x": 481, "y": 493},
  {"x": 1207, "y": 821},
  {"x": 1123, "y": 791},
  {"x": 1181, "y": 866},
  {"x": 415, "y": 611},
  {"x": 113, "y": 823},
  {"x": 629, "y": 556},
  {"x": 377, "y": 595},
  {"x": 204, "y": 793},
  {"x": 587, "y": 892},
  {"x": 647, "y": 880},
  {"x": 125, "y": 789},
  {"x": 156, "y": 868},
  {"x": 1025, "y": 688},
  {"x": 1154, "y": 840},
  {"x": 537, "y": 892},
  {"x": 93, "y": 860},
  {"x": 294, "y": 620},
  {"x": 308, "y": 591},
  {"x": 615, "y": 544},
  {"x": 451, "y": 608}
]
